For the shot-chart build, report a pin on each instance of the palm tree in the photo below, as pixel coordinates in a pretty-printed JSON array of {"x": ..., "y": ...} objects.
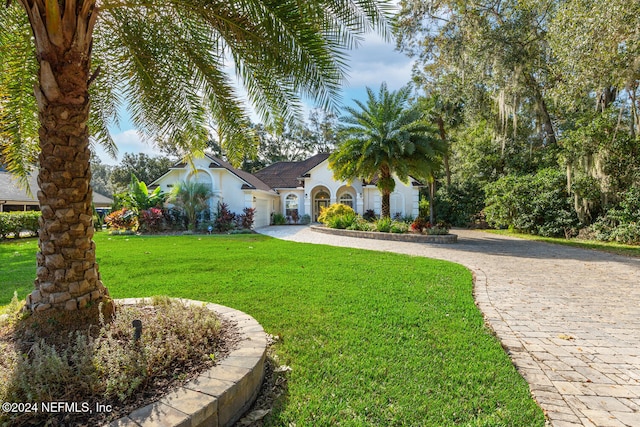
[
  {"x": 383, "y": 138},
  {"x": 70, "y": 65},
  {"x": 192, "y": 197}
]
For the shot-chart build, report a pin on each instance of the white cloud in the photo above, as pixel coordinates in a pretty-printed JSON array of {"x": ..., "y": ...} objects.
[
  {"x": 377, "y": 61},
  {"x": 128, "y": 141}
]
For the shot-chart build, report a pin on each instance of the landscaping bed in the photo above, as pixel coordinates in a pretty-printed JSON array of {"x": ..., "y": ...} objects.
[{"x": 398, "y": 237}]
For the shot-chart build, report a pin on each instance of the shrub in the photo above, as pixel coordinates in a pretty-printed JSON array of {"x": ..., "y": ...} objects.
[
  {"x": 360, "y": 224},
  {"x": 399, "y": 227},
  {"x": 459, "y": 203},
  {"x": 151, "y": 219},
  {"x": 621, "y": 223},
  {"x": 108, "y": 365},
  {"x": 342, "y": 221},
  {"x": 245, "y": 220},
  {"x": 536, "y": 204},
  {"x": 369, "y": 215},
  {"x": 336, "y": 209},
  {"x": 174, "y": 218},
  {"x": 383, "y": 224},
  {"x": 419, "y": 225},
  {"x": 224, "y": 218},
  {"x": 278, "y": 219},
  {"x": 16, "y": 222},
  {"x": 122, "y": 219}
]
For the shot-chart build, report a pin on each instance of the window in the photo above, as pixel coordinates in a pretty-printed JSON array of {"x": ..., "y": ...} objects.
[
  {"x": 291, "y": 207},
  {"x": 346, "y": 199}
]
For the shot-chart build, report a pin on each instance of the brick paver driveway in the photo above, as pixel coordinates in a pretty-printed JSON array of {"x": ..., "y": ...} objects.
[{"x": 569, "y": 318}]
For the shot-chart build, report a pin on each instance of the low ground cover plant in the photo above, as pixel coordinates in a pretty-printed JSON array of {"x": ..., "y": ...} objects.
[
  {"x": 371, "y": 338},
  {"x": 106, "y": 364}
]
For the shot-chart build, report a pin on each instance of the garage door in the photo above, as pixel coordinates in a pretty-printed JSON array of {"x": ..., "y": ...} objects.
[{"x": 262, "y": 217}]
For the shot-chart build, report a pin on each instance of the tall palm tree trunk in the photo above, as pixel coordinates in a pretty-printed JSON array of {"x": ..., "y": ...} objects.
[
  {"x": 67, "y": 273},
  {"x": 386, "y": 204}
]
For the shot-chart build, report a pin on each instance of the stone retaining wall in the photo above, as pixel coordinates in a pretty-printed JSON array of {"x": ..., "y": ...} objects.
[
  {"x": 217, "y": 397},
  {"x": 398, "y": 237}
]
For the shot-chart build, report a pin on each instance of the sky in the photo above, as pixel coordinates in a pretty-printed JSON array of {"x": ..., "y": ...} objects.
[{"x": 373, "y": 62}]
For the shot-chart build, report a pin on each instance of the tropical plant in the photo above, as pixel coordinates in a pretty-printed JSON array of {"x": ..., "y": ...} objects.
[
  {"x": 385, "y": 138},
  {"x": 138, "y": 197},
  {"x": 278, "y": 219},
  {"x": 122, "y": 219},
  {"x": 342, "y": 221},
  {"x": 225, "y": 220},
  {"x": 246, "y": 218},
  {"x": 192, "y": 198},
  {"x": 167, "y": 61},
  {"x": 151, "y": 219}
]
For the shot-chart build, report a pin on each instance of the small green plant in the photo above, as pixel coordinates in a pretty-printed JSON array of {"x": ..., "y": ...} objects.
[
  {"x": 278, "y": 219},
  {"x": 383, "y": 224},
  {"x": 342, "y": 221},
  {"x": 399, "y": 227}
]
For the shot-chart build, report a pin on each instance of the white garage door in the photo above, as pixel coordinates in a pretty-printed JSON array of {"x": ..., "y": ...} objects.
[{"x": 262, "y": 217}]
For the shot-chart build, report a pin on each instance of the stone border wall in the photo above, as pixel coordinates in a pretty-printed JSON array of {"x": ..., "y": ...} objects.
[
  {"x": 217, "y": 397},
  {"x": 398, "y": 237}
]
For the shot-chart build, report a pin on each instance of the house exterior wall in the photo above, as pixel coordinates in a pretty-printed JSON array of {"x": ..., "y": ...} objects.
[{"x": 226, "y": 188}]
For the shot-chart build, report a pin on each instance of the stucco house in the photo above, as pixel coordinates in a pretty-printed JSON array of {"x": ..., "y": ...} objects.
[{"x": 293, "y": 189}]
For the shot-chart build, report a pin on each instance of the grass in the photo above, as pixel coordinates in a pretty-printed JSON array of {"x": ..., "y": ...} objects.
[
  {"x": 372, "y": 338},
  {"x": 611, "y": 247}
]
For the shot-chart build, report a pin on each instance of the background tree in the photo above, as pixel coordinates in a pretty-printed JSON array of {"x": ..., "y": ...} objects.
[
  {"x": 386, "y": 137},
  {"x": 167, "y": 61},
  {"x": 146, "y": 168}
]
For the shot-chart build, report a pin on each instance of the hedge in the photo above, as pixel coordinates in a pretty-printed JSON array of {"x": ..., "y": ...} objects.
[{"x": 12, "y": 223}]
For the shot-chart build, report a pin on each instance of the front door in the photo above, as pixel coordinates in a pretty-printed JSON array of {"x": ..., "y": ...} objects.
[
  {"x": 321, "y": 201},
  {"x": 319, "y": 205}
]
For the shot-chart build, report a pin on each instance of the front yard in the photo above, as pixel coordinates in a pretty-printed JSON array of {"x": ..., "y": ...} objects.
[{"x": 372, "y": 338}]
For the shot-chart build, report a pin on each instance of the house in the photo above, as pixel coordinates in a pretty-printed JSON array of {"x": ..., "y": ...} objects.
[
  {"x": 292, "y": 189},
  {"x": 14, "y": 197}
]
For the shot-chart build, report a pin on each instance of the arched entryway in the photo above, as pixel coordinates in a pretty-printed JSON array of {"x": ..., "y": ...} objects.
[{"x": 321, "y": 199}]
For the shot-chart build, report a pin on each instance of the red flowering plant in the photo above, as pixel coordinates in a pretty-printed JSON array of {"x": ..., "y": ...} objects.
[
  {"x": 419, "y": 225},
  {"x": 151, "y": 219}
]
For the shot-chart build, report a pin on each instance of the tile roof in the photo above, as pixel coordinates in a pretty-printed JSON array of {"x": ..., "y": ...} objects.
[
  {"x": 286, "y": 174},
  {"x": 11, "y": 190},
  {"x": 252, "y": 181}
]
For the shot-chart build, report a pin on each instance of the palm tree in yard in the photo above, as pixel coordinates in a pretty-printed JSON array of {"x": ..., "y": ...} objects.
[
  {"x": 385, "y": 137},
  {"x": 192, "y": 197},
  {"x": 68, "y": 66}
]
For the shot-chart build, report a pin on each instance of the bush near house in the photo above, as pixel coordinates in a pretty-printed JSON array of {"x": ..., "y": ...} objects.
[
  {"x": 335, "y": 210},
  {"x": 122, "y": 219},
  {"x": 340, "y": 216},
  {"x": 13, "y": 223}
]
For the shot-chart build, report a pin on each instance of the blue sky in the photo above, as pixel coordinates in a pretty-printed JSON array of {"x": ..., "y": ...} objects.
[{"x": 373, "y": 62}]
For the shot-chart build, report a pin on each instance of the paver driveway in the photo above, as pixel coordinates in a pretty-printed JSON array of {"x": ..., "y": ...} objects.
[{"x": 569, "y": 318}]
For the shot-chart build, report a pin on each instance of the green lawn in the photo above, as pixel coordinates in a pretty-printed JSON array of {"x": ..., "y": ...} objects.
[
  {"x": 611, "y": 247},
  {"x": 372, "y": 338}
]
